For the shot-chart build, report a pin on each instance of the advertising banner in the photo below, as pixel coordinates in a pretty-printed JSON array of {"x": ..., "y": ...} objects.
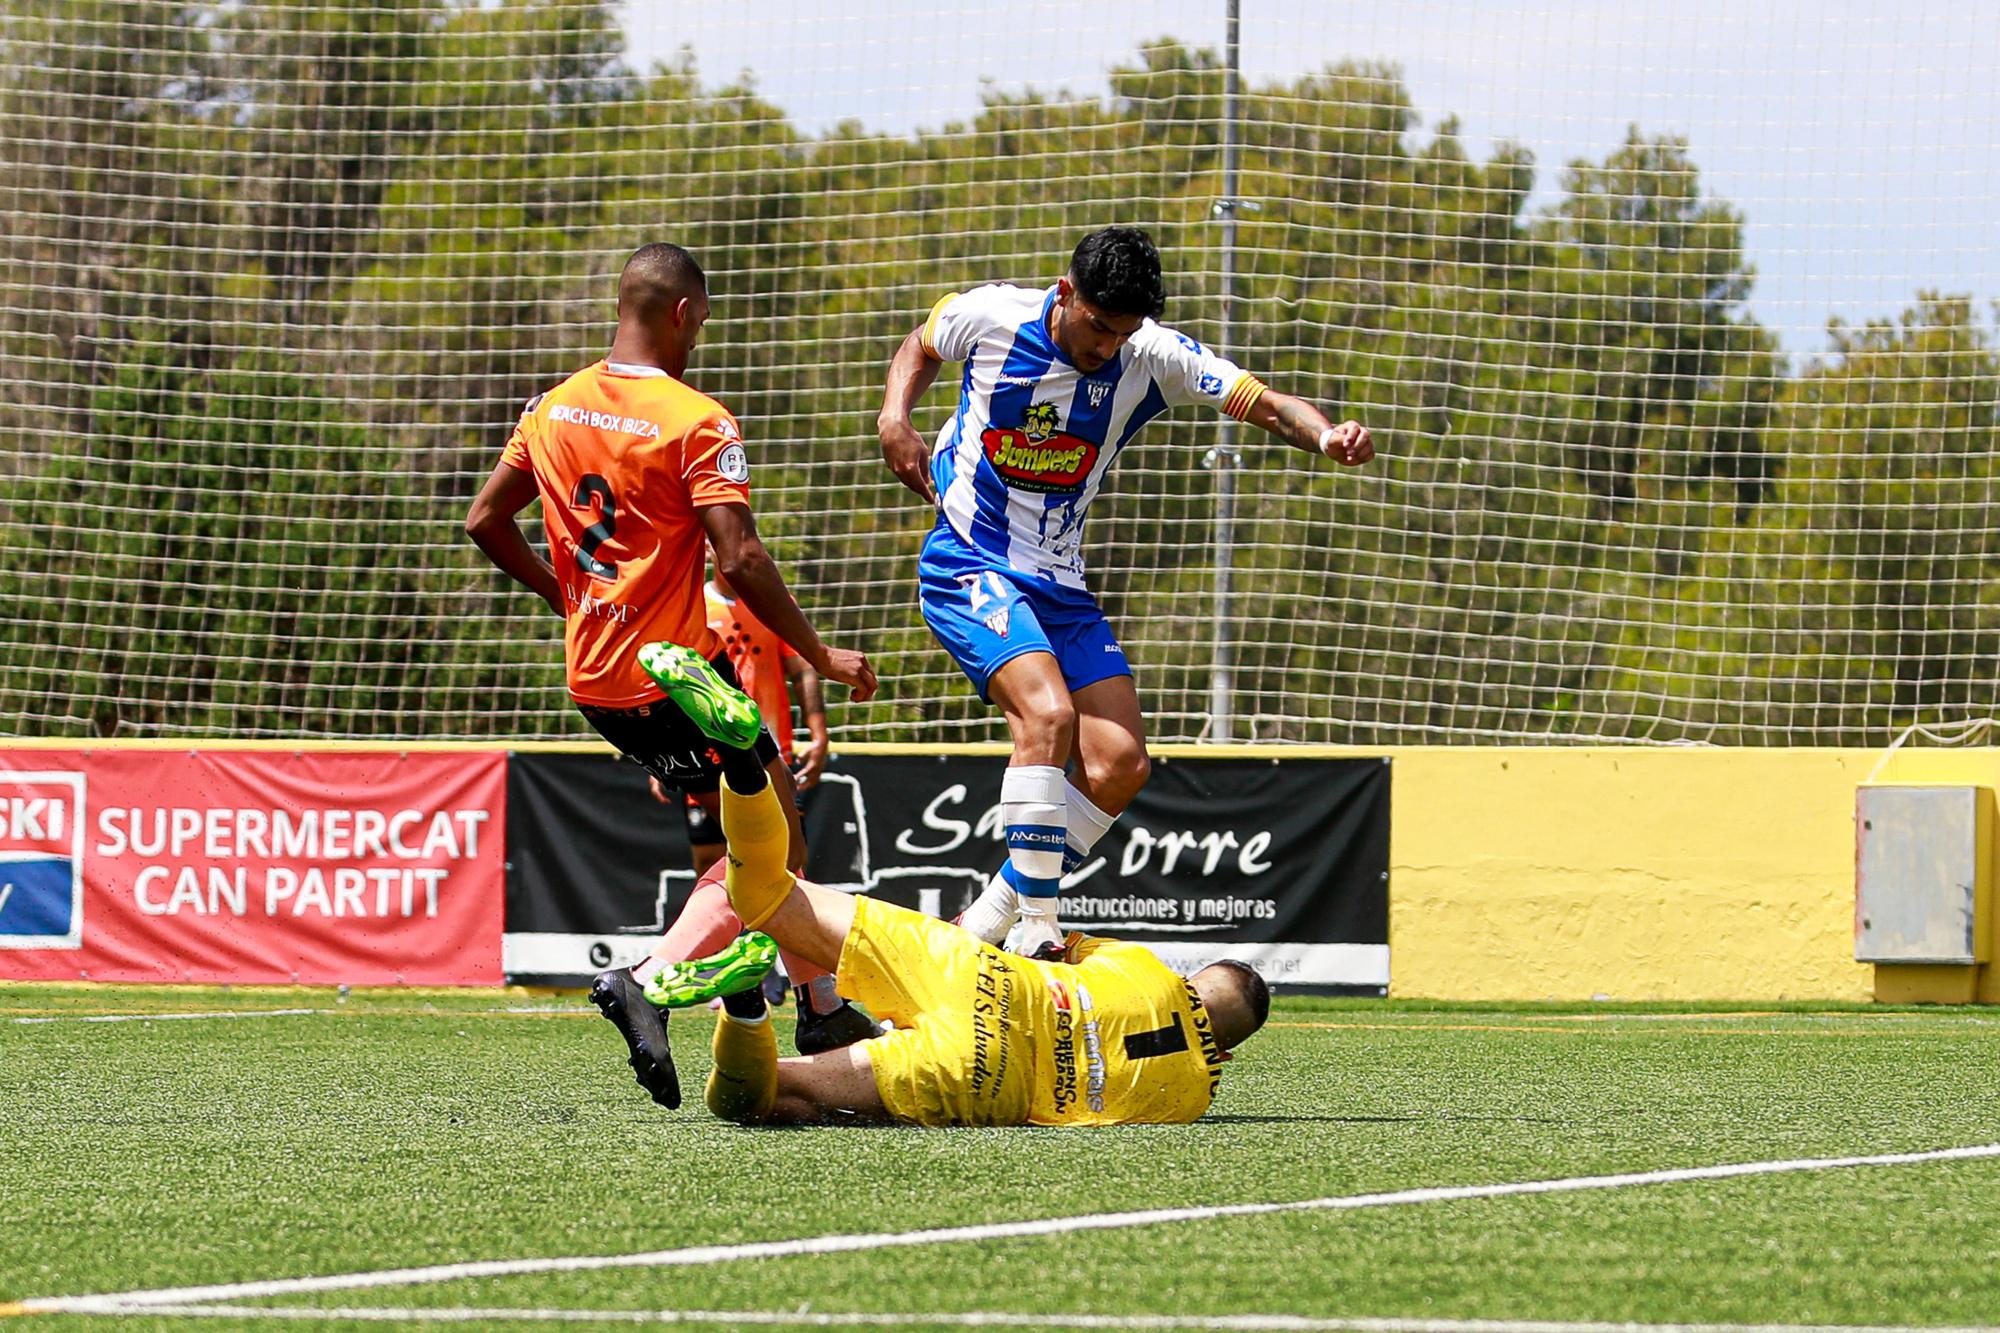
[
  {"x": 1280, "y": 862},
  {"x": 596, "y": 867},
  {"x": 251, "y": 866}
]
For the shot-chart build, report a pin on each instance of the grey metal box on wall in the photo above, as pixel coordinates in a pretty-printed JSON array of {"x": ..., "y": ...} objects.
[{"x": 1920, "y": 874}]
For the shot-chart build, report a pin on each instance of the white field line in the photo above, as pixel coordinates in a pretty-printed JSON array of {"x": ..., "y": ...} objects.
[
  {"x": 523, "y": 1011},
  {"x": 691, "y": 1256},
  {"x": 1822, "y": 1016},
  {"x": 168, "y": 1018},
  {"x": 1227, "y": 1323}
]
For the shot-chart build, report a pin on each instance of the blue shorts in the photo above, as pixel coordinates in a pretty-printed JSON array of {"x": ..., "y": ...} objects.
[{"x": 986, "y": 615}]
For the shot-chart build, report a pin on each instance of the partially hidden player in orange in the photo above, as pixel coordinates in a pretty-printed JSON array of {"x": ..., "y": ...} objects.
[
  {"x": 772, "y": 673},
  {"x": 769, "y": 670},
  {"x": 635, "y": 469}
]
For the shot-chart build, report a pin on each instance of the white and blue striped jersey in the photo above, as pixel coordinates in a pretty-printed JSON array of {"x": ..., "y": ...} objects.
[{"x": 1018, "y": 464}]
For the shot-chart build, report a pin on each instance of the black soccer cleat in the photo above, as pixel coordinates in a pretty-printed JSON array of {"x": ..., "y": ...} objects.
[
  {"x": 829, "y": 1032},
  {"x": 619, "y": 998},
  {"x": 1052, "y": 951}
]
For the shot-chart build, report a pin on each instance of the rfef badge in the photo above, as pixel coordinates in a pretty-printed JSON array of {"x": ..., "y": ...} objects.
[{"x": 41, "y": 860}]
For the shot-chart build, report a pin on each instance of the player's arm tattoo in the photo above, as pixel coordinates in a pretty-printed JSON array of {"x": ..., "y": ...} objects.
[
  {"x": 1293, "y": 420},
  {"x": 1302, "y": 423}
]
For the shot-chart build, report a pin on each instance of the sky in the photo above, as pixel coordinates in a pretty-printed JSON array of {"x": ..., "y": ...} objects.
[{"x": 1861, "y": 141}]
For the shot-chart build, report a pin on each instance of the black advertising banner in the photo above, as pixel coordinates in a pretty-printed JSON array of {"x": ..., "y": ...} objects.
[
  {"x": 595, "y": 872},
  {"x": 1280, "y": 862}
]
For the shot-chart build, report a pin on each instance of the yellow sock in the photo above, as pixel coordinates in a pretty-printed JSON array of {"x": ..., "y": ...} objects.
[
  {"x": 759, "y": 838},
  {"x": 744, "y": 1084}
]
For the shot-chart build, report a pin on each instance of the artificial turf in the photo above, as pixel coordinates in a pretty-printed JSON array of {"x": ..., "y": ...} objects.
[{"x": 396, "y": 1129}]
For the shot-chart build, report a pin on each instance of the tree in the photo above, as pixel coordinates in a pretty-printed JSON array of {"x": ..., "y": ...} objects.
[
  {"x": 108, "y": 202},
  {"x": 1860, "y": 599},
  {"x": 225, "y": 556}
]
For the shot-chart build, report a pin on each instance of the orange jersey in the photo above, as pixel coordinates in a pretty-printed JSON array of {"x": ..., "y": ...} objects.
[
  {"x": 758, "y": 655},
  {"x": 624, "y": 461}
]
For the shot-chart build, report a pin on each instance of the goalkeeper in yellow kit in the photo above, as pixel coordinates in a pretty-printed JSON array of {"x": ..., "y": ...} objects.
[{"x": 1106, "y": 1036}]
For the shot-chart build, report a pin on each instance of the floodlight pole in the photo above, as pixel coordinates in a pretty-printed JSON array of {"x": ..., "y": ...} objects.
[{"x": 1224, "y": 458}]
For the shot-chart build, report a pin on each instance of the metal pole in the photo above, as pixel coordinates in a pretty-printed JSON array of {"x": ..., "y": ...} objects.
[{"x": 1224, "y": 459}]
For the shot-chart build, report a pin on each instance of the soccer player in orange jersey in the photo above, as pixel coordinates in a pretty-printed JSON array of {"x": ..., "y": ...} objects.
[
  {"x": 775, "y": 676},
  {"x": 635, "y": 469}
]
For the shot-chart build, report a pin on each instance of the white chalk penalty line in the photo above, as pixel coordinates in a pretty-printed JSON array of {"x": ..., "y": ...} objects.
[
  {"x": 168, "y": 1018},
  {"x": 1228, "y": 1323},
  {"x": 365, "y": 1012},
  {"x": 698, "y": 1255}
]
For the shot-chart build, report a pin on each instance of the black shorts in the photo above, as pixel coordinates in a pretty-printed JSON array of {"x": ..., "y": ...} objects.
[
  {"x": 664, "y": 741},
  {"x": 705, "y": 830}
]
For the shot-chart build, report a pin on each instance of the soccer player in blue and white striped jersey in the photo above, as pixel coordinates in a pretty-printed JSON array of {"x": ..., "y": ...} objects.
[{"x": 1056, "y": 384}]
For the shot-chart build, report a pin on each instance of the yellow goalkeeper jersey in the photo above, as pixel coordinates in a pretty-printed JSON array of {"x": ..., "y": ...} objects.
[
  {"x": 1122, "y": 1039},
  {"x": 1111, "y": 1036}
]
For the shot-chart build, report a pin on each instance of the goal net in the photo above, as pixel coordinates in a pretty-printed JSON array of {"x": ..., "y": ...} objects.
[{"x": 1674, "y": 332}]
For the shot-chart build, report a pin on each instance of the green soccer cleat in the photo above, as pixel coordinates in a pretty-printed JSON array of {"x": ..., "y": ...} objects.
[
  {"x": 740, "y": 967},
  {"x": 725, "y": 714}
]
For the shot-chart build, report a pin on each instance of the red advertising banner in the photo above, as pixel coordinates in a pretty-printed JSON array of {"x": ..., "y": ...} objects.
[{"x": 315, "y": 867}]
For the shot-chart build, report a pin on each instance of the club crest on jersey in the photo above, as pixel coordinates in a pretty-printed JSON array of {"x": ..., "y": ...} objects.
[
  {"x": 1096, "y": 392},
  {"x": 1038, "y": 457}
]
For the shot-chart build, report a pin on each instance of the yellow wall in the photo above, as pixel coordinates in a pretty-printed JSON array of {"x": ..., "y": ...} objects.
[
  {"x": 1659, "y": 874},
  {"x": 1656, "y": 874}
]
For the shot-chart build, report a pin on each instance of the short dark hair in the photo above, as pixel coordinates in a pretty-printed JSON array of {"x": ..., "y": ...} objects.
[
  {"x": 1252, "y": 986},
  {"x": 659, "y": 274},
  {"x": 1117, "y": 269}
]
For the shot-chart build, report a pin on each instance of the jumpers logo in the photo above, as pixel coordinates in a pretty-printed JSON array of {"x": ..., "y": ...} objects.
[
  {"x": 1051, "y": 464},
  {"x": 41, "y": 860}
]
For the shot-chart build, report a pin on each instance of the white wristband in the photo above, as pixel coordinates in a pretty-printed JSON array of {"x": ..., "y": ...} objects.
[{"x": 1326, "y": 437}]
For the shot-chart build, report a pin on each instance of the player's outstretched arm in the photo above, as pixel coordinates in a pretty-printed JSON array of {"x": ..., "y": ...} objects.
[
  {"x": 912, "y": 371},
  {"x": 740, "y": 555},
  {"x": 812, "y": 704},
  {"x": 834, "y": 1087},
  {"x": 490, "y": 523},
  {"x": 1303, "y": 426}
]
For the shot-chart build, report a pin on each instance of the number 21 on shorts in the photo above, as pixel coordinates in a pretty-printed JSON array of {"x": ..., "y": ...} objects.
[{"x": 983, "y": 587}]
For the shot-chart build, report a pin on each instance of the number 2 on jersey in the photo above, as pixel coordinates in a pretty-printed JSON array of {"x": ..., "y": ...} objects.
[{"x": 591, "y": 487}]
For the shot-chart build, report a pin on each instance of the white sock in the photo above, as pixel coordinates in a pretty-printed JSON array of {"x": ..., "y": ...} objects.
[
  {"x": 1033, "y": 807},
  {"x": 993, "y": 912},
  {"x": 1086, "y": 825}
]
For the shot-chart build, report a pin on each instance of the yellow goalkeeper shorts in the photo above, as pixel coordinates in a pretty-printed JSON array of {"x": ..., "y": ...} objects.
[{"x": 961, "y": 1008}]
